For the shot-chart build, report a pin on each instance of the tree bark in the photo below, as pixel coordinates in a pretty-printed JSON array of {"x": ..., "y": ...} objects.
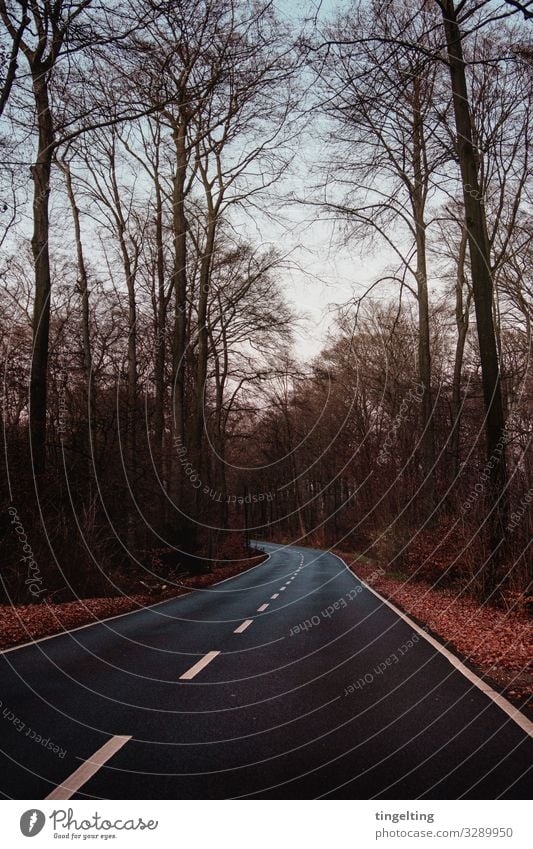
[
  {"x": 161, "y": 314},
  {"x": 202, "y": 346},
  {"x": 424, "y": 341},
  {"x": 461, "y": 320},
  {"x": 85, "y": 311},
  {"x": 482, "y": 286},
  {"x": 180, "y": 293},
  {"x": 41, "y": 171}
]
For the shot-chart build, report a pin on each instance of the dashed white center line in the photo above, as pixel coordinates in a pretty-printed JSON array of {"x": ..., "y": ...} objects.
[
  {"x": 276, "y": 595},
  {"x": 88, "y": 768},
  {"x": 282, "y": 588},
  {"x": 194, "y": 670},
  {"x": 246, "y": 624},
  {"x": 263, "y": 607}
]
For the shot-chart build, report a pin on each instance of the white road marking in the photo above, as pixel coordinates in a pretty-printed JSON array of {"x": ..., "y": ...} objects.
[
  {"x": 263, "y": 607},
  {"x": 86, "y": 771},
  {"x": 132, "y": 612},
  {"x": 276, "y": 595},
  {"x": 512, "y": 711},
  {"x": 282, "y": 588},
  {"x": 246, "y": 624},
  {"x": 194, "y": 670}
]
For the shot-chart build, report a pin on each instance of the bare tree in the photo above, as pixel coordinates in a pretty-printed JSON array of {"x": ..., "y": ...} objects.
[
  {"x": 482, "y": 286},
  {"x": 247, "y": 322},
  {"x": 387, "y": 154},
  {"x": 9, "y": 53},
  {"x": 83, "y": 286},
  {"x": 239, "y": 131},
  {"x": 53, "y": 25}
]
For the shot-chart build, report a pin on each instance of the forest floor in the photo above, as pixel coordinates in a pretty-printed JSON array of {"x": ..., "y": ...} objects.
[
  {"x": 497, "y": 644},
  {"x": 23, "y": 623}
]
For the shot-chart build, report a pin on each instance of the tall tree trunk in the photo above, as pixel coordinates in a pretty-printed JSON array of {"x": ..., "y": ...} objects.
[
  {"x": 202, "y": 347},
  {"x": 161, "y": 311},
  {"x": 482, "y": 286},
  {"x": 424, "y": 341},
  {"x": 461, "y": 320},
  {"x": 131, "y": 422},
  {"x": 219, "y": 461},
  {"x": 41, "y": 171},
  {"x": 424, "y": 365},
  {"x": 180, "y": 293},
  {"x": 85, "y": 315},
  {"x": 132, "y": 372},
  {"x": 129, "y": 262}
]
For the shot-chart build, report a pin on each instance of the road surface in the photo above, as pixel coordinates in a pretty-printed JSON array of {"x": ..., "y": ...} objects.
[{"x": 291, "y": 680}]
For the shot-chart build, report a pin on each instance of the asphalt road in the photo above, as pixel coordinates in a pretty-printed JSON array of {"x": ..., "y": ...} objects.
[{"x": 326, "y": 692}]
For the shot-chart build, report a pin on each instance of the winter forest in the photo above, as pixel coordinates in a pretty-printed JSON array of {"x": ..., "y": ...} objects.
[{"x": 265, "y": 274}]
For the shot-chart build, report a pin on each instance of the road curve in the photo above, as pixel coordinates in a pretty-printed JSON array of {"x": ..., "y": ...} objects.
[{"x": 291, "y": 680}]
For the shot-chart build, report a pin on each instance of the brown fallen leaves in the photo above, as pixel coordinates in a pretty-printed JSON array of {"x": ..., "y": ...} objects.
[{"x": 498, "y": 642}]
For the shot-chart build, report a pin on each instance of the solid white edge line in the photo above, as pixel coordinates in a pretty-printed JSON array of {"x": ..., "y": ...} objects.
[
  {"x": 263, "y": 607},
  {"x": 512, "y": 711},
  {"x": 88, "y": 768},
  {"x": 199, "y": 665},
  {"x": 128, "y": 612},
  {"x": 243, "y": 626}
]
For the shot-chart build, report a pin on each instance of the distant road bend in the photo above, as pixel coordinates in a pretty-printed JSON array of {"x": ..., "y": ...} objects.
[{"x": 290, "y": 680}]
